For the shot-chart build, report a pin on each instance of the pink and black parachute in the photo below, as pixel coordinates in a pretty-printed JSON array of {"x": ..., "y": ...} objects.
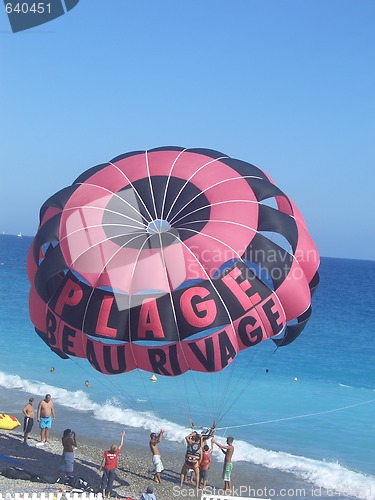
[{"x": 170, "y": 260}]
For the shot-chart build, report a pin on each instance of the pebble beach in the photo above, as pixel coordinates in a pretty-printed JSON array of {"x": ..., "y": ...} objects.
[{"x": 133, "y": 475}]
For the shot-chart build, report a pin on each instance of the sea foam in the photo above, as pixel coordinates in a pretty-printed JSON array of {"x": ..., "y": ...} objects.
[{"x": 330, "y": 476}]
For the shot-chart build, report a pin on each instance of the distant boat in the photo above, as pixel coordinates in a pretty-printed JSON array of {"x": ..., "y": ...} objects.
[{"x": 19, "y": 235}]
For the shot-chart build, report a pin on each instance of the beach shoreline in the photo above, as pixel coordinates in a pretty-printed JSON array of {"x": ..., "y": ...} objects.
[{"x": 134, "y": 473}]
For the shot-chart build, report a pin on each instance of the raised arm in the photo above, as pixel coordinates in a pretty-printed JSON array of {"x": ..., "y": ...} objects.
[
  {"x": 189, "y": 438},
  {"x": 223, "y": 447},
  {"x": 160, "y": 435},
  {"x": 122, "y": 440}
]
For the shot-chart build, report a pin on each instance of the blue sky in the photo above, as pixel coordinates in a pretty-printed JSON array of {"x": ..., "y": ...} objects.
[{"x": 288, "y": 85}]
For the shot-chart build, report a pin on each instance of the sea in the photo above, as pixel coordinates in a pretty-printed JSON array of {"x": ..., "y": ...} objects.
[{"x": 304, "y": 412}]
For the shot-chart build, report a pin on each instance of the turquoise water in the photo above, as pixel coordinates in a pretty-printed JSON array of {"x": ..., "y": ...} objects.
[{"x": 307, "y": 409}]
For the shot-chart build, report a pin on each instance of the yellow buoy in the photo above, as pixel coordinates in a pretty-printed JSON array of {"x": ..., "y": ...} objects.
[
  {"x": 8, "y": 422},
  {"x": 153, "y": 378}
]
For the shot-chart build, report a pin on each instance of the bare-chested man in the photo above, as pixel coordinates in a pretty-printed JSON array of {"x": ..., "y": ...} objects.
[
  {"x": 156, "y": 459},
  {"x": 28, "y": 420},
  {"x": 228, "y": 451},
  {"x": 46, "y": 413}
]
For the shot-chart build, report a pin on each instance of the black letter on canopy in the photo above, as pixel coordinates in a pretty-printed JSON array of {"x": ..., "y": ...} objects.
[
  {"x": 107, "y": 356},
  {"x": 158, "y": 359},
  {"x": 207, "y": 361},
  {"x": 226, "y": 349},
  {"x": 91, "y": 355},
  {"x": 249, "y": 338},
  {"x": 51, "y": 328},
  {"x": 66, "y": 333},
  {"x": 271, "y": 316}
]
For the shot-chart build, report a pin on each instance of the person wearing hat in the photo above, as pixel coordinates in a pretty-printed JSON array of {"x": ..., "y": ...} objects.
[{"x": 148, "y": 494}]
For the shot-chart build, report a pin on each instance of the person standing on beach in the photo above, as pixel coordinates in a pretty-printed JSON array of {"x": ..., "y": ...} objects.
[
  {"x": 156, "y": 458},
  {"x": 28, "y": 420},
  {"x": 193, "y": 456},
  {"x": 69, "y": 443},
  {"x": 46, "y": 412},
  {"x": 109, "y": 466},
  {"x": 228, "y": 451},
  {"x": 205, "y": 463}
]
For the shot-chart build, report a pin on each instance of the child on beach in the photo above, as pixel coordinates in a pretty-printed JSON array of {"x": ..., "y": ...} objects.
[
  {"x": 205, "y": 463},
  {"x": 109, "y": 465}
]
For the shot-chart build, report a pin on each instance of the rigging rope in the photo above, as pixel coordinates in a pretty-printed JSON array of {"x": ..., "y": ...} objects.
[{"x": 296, "y": 416}]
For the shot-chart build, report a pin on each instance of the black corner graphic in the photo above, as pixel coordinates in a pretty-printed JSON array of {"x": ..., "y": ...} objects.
[
  {"x": 27, "y": 14},
  {"x": 69, "y": 4}
]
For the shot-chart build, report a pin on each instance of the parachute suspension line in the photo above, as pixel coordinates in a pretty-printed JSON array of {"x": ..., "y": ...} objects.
[
  {"x": 109, "y": 386},
  {"x": 244, "y": 381},
  {"x": 167, "y": 183},
  {"x": 139, "y": 372},
  {"x": 176, "y": 324},
  {"x": 92, "y": 292},
  {"x": 189, "y": 179},
  {"x": 306, "y": 415},
  {"x": 227, "y": 388},
  {"x": 248, "y": 382},
  {"x": 123, "y": 394},
  {"x": 129, "y": 400},
  {"x": 237, "y": 390},
  {"x": 212, "y": 284},
  {"x": 164, "y": 266},
  {"x": 214, "y": 204},
  {"x": 187, "y": 393},
  {"x": 241, "y": 259},
  {"x": 131, "y": 280},
  {"x": 186, "y": 408}
]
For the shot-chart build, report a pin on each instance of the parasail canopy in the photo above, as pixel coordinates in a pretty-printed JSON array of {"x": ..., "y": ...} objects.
[{"x": 170, "y": 260}]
